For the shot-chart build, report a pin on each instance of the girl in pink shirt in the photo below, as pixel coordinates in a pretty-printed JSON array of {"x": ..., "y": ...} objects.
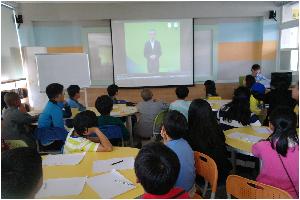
[{"x": 279, "y": 153}]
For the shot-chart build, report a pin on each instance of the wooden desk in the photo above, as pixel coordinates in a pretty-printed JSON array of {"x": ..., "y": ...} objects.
[
  {"x": 217, "y": 104},
  {"x": 85, "y": 168},
  {"x": 240, "y": 146}
]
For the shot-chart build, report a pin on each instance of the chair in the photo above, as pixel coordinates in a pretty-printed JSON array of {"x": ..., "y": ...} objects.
[
  {"x": 243, "y": 188},
  {"x": 158, "y": 122},
  {"x": 13, "y": 144},
  {"x": 241, "y": 80},
  {"x": 113, "y": 133},
  {"x": 207, "y": 168},
  {"x": 214, "y": 98}
]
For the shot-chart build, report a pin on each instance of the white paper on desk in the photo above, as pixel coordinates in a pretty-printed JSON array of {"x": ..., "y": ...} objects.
[
  {"x": 110, "y": 184},
  {"x": 105, "y": 165},
  {"x": 244, "y": 137},
  {"x": 64, "y": 159},
  {"x": 61, "y": 187},
  {"x": 261, "y": 130}
]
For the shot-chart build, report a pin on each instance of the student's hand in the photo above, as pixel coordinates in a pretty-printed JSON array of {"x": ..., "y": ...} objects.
[{"x": 22, "y": 108}]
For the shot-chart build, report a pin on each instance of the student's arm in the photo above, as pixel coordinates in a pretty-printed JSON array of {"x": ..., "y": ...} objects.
[
  {"x": 256, "y": 149},
  {"x": 57, "y": 118},
  {"x": 81, "y": 107},
  {"x": 105, "y": 145},
  {"x": 25, "y": 118},
  {"x": 253, "y": 106}
]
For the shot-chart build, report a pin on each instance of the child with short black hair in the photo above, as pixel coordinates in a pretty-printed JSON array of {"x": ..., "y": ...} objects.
[
  {"x": 249, "y": 81},
  {"x": 21, "y": 173},
  {"x": 74, "y": 95},
  {"x": 237, "y": 113},
  {"x": 210, "y": 89},
  {"x": 112, "y": 92},
  {"x": 157, "y": 167},
  {"x": 256, "y": 73},
  {"x": 279, "y": 153},
  {"x": 16, "y": 121},
  {"x": 174, "y": 128},
  {"x": 79, "y": 139},
  {"x": 51, "y": 129},
  {"x": 104, "y": 105},
  {"x": 181, "y": 105}
]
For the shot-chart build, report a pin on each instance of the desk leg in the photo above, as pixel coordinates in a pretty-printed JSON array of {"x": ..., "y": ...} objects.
[
  {"x": 129, "y": 127},
  {"x": 233, "y": 160}
]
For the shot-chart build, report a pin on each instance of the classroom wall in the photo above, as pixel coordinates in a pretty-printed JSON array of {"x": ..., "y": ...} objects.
[{"x": 245, "y": 35}]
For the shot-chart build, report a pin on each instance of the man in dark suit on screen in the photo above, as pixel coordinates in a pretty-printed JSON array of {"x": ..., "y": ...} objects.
[{"x": 152, "y": 52}]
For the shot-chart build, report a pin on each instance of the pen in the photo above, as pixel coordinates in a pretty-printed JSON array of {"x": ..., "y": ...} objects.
[
  {"x": 117, "y": 162},
  {"x": 124, "y": 182}
]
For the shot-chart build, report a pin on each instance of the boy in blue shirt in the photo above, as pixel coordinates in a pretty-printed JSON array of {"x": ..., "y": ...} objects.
[
  {"x": 51, "y": 129},
  {"x": 74, "y": 95},
  {"x": 256, "y": 73},
  {"x": 174, "y": 128},
  {"x": 112, "y": 92}
]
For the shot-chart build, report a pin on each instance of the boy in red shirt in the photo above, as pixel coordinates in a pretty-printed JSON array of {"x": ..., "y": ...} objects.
[{"x": 157, "y": 168}]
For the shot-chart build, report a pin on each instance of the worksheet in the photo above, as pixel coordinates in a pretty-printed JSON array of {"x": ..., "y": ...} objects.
[{"x": 115, "y": 163}]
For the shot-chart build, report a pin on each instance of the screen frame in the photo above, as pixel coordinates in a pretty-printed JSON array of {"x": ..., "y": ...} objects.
[{"x": 149, "y": 86}]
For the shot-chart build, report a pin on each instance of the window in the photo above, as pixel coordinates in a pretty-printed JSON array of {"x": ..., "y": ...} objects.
[{"x": 289, "y": 42}]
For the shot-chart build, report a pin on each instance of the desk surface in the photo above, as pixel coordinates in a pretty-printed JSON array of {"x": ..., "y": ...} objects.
[
  {"x": 240, "y": 145},
  {"x": 119, "y": 110},
  {"x": 217, "y": 104},
  {"x": 84, "y": 168}
]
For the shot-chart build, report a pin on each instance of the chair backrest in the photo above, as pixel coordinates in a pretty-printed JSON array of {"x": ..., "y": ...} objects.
[
  {"x": 13, "y": 144},
  {"x": 112, "y": 131},
  {"x": 207, "y": 168},
  {"x": 243, "y": 188},
  {"x": 241, "y": 80},
  {"x": 214, "y": 98},
  {"x": 158, "y": 121}
]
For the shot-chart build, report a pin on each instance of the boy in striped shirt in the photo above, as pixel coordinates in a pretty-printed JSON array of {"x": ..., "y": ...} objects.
[{"x": 79, "y": 140}]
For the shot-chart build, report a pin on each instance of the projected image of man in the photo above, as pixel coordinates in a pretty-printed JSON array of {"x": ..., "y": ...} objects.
[{"x": 152, "y": 52}]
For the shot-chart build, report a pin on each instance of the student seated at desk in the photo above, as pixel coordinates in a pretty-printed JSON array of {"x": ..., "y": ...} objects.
[
  {"x": 206, "y": 136},
  {"x": 210, "y": 89},
  {"x": 148, "y": 110},
  {"x": 104, "y": 105},
  {"x": 237, "y": 113},
  {"x": 157, "y": 167},
  {"x": 256, "y": 73},
  {"x": 78, "y": 140},
  {"x": 181, "y": 105},
  {"x": 256, "y": 99},
  {"x": 280, "y": 95},
  {"x": 51, "y": 129},
  {"x": 279, "y": 153},
  {"x": 249, "y": 81},
  {"x": 174, "y": 128},
  {"x": 21, "y": 173},
  {"x": 16, "y": 121},
  {"x": 74, "y": 95},
  {"x": 112, "y": 92}
]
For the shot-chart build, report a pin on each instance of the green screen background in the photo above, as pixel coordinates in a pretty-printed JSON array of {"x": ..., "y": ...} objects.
[{"x": 136, "y": 35}]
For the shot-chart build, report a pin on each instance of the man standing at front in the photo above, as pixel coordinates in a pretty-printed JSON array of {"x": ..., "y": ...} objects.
[{"x": 152, "y": 52}]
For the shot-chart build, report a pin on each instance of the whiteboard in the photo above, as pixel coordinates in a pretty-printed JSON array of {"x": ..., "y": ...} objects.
[{"x": 66, "y": 69}]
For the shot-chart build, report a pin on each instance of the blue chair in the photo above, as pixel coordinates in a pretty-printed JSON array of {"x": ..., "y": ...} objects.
[{"x": 113, "y": 133}]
